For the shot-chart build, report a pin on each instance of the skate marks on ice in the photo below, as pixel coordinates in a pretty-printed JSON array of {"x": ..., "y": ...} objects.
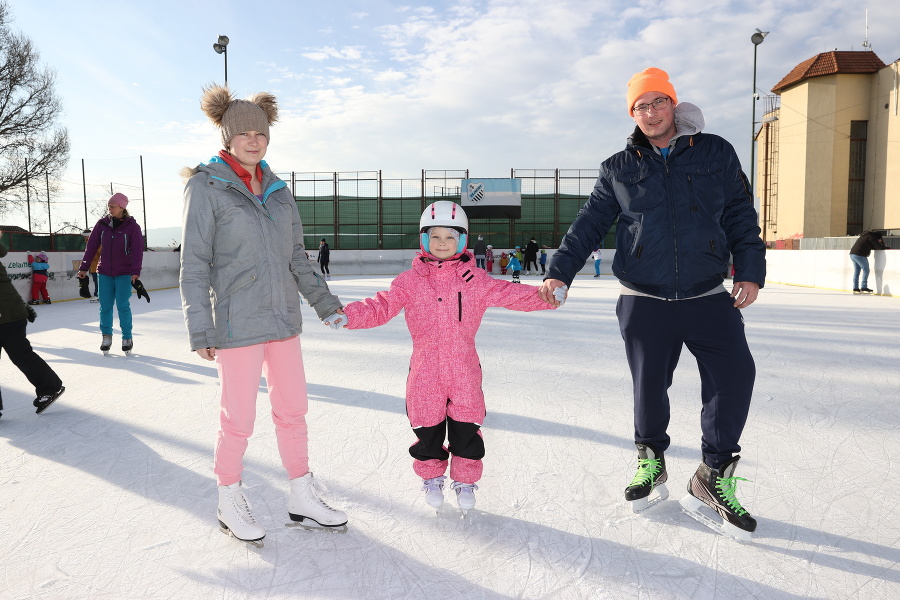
[
  {"x": 565, "y": 560},
  {"x": 822, "y": 559}
]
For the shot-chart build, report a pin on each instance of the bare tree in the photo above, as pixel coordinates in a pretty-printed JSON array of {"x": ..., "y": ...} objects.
[{"x": 29, "y": 109}]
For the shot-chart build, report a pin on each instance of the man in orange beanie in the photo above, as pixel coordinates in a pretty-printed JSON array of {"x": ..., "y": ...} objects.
[{"x": 683, "y": 206}]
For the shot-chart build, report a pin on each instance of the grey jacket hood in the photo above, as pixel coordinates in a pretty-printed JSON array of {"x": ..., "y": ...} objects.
[{"x": 688, "y": 119}]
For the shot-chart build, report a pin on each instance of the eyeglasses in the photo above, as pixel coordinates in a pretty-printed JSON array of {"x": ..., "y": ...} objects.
[{"x": 658, "y": 104}]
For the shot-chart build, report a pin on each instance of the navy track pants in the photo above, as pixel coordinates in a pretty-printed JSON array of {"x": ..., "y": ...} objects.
[{"x": 713, "y": 330}]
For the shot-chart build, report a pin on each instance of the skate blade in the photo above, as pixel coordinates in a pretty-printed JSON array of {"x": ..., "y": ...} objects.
[
  {"x": 642, "y": 504},
  {"x": 224, "y": 529},
  {"x": 311, "y": 525},
  {"x": 691, "y": 506}
]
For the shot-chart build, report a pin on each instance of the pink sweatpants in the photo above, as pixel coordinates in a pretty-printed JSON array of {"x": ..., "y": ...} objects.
[{"x": 281, "y": 363}]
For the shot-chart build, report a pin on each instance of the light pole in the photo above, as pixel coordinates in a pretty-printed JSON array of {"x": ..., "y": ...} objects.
[
  {"x": 757, "y": 39},
  {"x": 221, "y": 47}
]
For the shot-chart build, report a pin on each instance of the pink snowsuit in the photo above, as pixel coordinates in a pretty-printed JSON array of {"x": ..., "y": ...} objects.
[{"x": 444, "y": 302}]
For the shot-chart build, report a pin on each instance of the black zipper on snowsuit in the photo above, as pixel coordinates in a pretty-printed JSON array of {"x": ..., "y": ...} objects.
[{"x": 459, "y": 300}]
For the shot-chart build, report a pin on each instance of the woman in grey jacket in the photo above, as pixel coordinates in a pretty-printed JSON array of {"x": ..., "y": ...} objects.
[{"x": 242, "y": 264}]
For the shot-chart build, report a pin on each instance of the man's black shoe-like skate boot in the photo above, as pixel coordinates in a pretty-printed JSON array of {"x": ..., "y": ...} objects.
[
  {"x": 865, "y": 290},
  {"x": 42, "y": 402},
  {"x": 651, "y": 474},
  {"x": 716, "y": 488}
]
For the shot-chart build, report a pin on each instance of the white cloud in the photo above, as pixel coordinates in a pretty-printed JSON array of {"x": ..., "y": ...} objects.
[{"x": 327, "y": 52}]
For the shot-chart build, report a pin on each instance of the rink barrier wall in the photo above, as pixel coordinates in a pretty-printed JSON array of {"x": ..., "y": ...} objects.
[
  {"x": 159, "y": 270},
  {"x": 830, "y": 269}
]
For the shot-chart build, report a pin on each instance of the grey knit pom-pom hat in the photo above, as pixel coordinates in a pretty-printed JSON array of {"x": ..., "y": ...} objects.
[{"x": 256, "y": 113}]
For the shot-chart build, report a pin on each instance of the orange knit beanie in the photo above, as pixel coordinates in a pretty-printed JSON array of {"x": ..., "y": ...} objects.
[{"x": 649, "y": 80}]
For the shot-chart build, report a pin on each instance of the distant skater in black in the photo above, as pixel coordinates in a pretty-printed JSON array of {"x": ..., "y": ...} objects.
[{"x": 324, "y": 257}]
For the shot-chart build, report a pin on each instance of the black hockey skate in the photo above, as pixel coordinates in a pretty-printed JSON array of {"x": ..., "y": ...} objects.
[
  {"x": 716, "y": 488},
  {"x": 42, "y": 402},
  {"x": 651, "y": 475},
  {"x": 127, "y": 346}
]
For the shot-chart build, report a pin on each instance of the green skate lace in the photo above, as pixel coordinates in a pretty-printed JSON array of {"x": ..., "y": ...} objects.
[
  {"x": 727, "y": 487},
  {"x": 648, "y": 468}
]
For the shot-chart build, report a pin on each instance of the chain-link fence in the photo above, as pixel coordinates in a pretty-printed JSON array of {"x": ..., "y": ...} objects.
[{"x": 52, "y": 213}]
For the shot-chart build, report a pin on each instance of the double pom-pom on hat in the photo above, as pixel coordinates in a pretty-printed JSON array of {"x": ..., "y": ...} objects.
[{"x": 232, "y": 116}]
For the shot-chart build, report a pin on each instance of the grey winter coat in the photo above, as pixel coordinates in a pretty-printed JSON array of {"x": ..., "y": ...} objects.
[{"x": 243, "y": 261}]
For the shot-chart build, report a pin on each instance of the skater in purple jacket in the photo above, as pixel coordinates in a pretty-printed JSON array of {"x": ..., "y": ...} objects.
[{"x": 121, "y": 244}]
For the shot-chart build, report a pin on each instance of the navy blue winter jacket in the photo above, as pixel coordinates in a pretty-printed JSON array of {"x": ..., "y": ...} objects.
[{"x": 678, "y": 219}]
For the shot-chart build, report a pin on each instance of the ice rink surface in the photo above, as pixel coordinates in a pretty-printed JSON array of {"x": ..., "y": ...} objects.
[{"x": 110, "y": 493}]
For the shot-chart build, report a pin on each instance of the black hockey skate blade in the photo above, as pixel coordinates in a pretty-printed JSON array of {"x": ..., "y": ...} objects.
[
  {"x": 224, "y": 529},
  {"x": 641, "y": 504},
  {"x": 313, "y": 525},
  {"x": 692, "y": 506}
]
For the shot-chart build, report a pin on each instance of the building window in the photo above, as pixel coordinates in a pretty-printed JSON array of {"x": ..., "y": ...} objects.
[{"x": 856, "y": 177}]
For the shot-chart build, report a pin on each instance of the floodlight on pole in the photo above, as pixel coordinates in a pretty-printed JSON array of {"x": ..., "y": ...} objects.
[
  {"x": 221, "y": 47},
  {"x": 757, "y": 39}
]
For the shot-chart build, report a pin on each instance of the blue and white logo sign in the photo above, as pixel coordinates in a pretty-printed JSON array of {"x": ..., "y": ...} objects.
[
  {"x": 475, "y": 192},
  {"x": 492, "y": 198}
]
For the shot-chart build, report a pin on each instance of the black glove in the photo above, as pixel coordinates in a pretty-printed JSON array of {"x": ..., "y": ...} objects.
[
  {"x": 136, "y": 284},
  {"x": 83, "y": 290},
  {"x": 31, "y": 314}
]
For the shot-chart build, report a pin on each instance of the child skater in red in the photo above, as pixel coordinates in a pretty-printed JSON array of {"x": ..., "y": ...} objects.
[
  {"x": 39, "y": 270},
  {"x": 444, "y": 297}
]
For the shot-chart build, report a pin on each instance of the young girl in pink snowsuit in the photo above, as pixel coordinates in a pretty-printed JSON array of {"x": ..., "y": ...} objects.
[{"x": 444, "y": 297}]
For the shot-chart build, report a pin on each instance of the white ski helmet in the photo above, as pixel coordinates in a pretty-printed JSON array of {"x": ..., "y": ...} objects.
[{"x": 444, "y": 213}]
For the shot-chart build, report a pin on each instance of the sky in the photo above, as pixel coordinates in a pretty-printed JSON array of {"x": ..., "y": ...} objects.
[{"x": 484, "y": 85}]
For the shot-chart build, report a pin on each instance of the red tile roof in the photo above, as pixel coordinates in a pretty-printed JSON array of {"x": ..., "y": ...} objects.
[{"x": 831, "y": 63}]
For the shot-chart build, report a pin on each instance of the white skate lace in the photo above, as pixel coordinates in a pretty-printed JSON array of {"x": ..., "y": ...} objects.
[
  {"x": 318, "y": 486},
  {"x": 243, "y": 506},
  {"x": 459, "y": 487},
  {"x": 435, "y": 484}
]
